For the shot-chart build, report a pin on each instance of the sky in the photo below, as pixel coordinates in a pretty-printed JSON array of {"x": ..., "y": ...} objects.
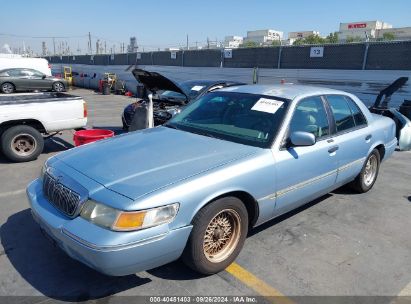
[{"x": 162, "y": 23}]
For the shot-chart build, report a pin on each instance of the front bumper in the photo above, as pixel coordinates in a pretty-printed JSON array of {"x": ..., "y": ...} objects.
[{"x": 109, "y": 252}]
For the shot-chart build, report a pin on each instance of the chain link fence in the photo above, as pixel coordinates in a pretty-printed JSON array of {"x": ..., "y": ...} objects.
[{"x": 355, "y": 56}]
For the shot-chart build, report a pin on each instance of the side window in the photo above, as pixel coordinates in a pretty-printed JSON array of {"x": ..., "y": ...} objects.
[
  {"x": 343, "y": 117},
  {"x": 14, "y": 73},
  {"x": 26, "y": 73},
  {"x": 310, "y": 116},
  {"x": 36, "y": 73},
  {"x": 359, "y": 117}
]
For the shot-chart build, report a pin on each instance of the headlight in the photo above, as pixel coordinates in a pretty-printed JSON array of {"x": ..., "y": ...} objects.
[{"x": 118, "y": 220}]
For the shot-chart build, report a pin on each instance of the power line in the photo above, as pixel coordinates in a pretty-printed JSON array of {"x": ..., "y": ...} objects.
[{"x": 41, "y": 37}]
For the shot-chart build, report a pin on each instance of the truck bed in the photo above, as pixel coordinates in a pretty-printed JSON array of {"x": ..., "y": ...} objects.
[{"x": 35, "y": 98}]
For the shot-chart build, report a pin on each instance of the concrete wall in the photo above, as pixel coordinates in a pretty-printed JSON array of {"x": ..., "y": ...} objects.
[{"x": 364, "y": 83}]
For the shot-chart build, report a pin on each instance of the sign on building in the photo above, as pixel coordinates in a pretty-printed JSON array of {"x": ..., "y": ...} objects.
[
  {"x": 228, "y": 53},
  {"x": 112, "y": 56},
  {"x": 317, "y": 51},
  {"x": 357, "y": 25},
  {"x": 173, "y": 55}
]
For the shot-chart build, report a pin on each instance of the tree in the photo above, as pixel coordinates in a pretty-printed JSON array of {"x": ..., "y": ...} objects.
[
  {"x": 350, "y": 39},
  {"x": 249, "y": 44},
  {"x": 298, "y": 41},
  {"x": 276, "y": 43},
  {"x": 388, "y": 36},
  {"x": 332, "y": 38},
  {"x": 314, "y": 39}
]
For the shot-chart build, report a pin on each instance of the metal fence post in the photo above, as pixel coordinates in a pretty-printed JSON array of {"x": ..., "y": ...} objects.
[
  {"x": 182, "y": 58},
  {"x": 364, "y": 61},
  {"x": 279, "y": 57},
  {"x": 152, "y": 59}
]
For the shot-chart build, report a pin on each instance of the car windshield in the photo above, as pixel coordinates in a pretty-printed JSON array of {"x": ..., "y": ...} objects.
[
  {"x": 239, "y": 117},
  {"x": 191, "y": 88}
]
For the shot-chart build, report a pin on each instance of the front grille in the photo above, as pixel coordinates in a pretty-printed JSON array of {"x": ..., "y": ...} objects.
[{"x": 61, "y": 197}]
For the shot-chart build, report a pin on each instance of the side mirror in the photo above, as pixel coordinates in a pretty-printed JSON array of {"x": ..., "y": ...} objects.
[
  {"x": 43, "y": 77},
  {"x": 300, "y": 138}
]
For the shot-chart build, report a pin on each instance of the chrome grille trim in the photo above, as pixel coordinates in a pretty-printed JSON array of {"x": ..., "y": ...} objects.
[{"x": 61, "y": 197}]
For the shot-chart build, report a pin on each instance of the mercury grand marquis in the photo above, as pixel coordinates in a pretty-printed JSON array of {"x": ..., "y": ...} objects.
[{"x": 232, "y": 160}]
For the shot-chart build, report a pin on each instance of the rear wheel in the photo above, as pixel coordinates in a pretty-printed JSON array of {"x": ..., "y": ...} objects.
[
  {"x": 7, "y": 88},
  {"x": 368, "y": 175},
  {"x": 22, "y": 143},
  {"x": 219, "y": 232},
  {"x": 58, "y": 86}
]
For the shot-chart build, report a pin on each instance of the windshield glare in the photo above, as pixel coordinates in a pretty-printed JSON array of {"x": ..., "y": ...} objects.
[
  {"x": 244, "y": 118},
  {"x": 191, "y": 88}
]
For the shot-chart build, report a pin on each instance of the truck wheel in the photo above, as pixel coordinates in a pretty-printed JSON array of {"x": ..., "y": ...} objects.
[
  {"x": 368, "y": 175},
  {"x": 7, "y": 88},
  {"x": 22, "y": 143},
  {"x": 58, "y": 86},
  {"x": 218, "y": 235}
]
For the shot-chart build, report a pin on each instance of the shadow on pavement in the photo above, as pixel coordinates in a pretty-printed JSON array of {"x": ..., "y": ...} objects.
[{"x": 49, "y": 270}]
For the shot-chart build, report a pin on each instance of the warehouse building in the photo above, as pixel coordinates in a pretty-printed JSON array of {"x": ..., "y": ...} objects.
[
  {"x": 361, "y": 29},
  {"x": 233, "y": 42},
  {"x": 263, "y": 37}
]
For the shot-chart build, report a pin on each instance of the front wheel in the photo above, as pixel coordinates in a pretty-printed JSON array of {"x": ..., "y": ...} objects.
[
  {"x": 368, "y": 175},
  {"x": 58, "y": 87},
  {"x": 218, "y": 235},
  {"x": 22, "y": 143}
]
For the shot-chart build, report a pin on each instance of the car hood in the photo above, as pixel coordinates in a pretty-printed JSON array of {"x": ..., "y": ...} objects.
[
  {"x": 156, "y": 82},
  {"x": 138, "y": 163}
]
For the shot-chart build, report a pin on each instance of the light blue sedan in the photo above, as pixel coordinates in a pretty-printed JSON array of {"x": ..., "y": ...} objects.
[{"x": 192, "y": 188}]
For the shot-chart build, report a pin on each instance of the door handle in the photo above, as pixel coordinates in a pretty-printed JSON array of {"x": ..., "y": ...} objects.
[
  {"x": 368, "y": 137},
  {"x": 333, "y": 149},
  {"x": 330, "y": 140}
]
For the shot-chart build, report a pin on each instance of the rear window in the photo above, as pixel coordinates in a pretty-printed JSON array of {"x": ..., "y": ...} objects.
[{"x": 343, "y": 117}]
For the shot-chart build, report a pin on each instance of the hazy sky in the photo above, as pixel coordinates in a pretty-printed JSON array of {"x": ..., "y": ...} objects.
[{"x": 162, "y": 23}]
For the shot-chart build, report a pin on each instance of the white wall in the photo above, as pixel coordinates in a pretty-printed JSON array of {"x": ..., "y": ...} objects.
[{"x": 366, "y": 84}]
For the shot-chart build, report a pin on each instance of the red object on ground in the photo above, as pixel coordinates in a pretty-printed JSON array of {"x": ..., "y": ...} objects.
[
  {"x": 100, "y": 86},
  {"x": 128, "y": 93},
  {"x": 88, "y": 136}
]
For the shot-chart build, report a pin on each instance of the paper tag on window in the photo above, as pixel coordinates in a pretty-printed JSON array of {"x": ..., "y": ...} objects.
[
  {"x": 197, "y": 88},
  {"x": 267, "y": 105}
]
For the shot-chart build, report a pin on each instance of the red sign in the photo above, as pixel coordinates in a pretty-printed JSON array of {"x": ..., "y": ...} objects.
[{"x": 357, "y": 25}]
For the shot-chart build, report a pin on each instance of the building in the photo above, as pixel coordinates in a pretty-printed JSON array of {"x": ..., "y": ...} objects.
[
  {"x": 361, "y": 29},
  {"x": 263, "y": 37},
  {"x": 399, "y": 33},
  {"x": 293, "y": 36},
  {"x": 233, "y": 42}
]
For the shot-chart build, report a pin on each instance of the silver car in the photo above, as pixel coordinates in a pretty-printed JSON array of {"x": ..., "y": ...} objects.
[{"x": 21, "y": 79}]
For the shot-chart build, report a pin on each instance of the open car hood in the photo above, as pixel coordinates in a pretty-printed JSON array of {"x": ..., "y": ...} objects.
[{"x": 154, "y": 81}]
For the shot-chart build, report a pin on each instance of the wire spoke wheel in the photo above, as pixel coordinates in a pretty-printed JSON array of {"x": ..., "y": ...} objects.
[
  {"x": 222, "y": 235},
  {"x": 370, "y": 171},
  {"x": 23, "y": 144}
]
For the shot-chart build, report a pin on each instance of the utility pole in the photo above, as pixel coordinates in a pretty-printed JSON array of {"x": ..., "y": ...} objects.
[
  {"x": 54, "y": 46},
  {"x": 105, "y": 47},
  {"x": 187, "y": 43}
]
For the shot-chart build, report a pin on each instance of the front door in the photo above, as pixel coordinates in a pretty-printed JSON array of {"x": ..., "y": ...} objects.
[{"x": 306, "y": 172}]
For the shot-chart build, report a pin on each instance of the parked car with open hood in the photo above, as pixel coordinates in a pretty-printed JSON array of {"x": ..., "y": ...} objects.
[
  {"x": 172, "y": 96},
  {"x": 22, "y": 79},
  {"x": 192, "y": 188}
]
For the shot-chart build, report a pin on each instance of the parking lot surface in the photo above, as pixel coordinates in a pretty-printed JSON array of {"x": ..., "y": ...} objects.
[{"x": 343, "y": 244}]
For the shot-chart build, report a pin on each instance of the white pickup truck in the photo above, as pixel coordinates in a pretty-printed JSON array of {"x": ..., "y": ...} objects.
[{"x": 25, "y": 118}]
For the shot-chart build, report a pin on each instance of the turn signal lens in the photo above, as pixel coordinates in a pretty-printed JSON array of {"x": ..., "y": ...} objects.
[{"x": 129, "y": 220}]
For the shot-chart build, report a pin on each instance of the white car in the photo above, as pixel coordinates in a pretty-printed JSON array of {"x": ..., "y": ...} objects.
[{"x": 25, "y": 117}]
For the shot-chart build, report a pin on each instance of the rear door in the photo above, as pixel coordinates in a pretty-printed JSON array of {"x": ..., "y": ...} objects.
[
  {"x": 351, "y": 134},
  {"x": 18, "y": 78},
  {"x": 38, "y": 82},
  {"x": 305, "y": 173}
]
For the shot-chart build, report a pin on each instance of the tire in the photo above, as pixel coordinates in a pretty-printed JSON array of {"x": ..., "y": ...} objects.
[
  {"x": 58, "y": 86},
  {"x": 217, "y": 217},
  {"x": 369, "y": 173},
  {"x": 8, "y": 88},
  {"x": 22, "y": 143}
]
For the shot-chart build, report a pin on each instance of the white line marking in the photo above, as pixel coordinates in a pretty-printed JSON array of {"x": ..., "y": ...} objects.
[{"x": 11, "y": 193}]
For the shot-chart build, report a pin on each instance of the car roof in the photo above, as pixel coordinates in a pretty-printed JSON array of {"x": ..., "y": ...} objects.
[{"x": 287, "y": 91}]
